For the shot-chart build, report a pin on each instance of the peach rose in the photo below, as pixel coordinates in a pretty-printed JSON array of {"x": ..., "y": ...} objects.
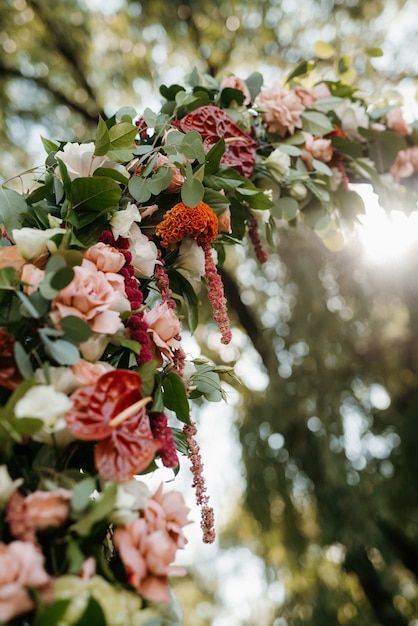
[
  {"x": 105, "y": 257},
  {"x": 10, "y": 257},
  {"x": 237, "y": 83},
  {"x": 168, "y": 511},
  {"x": 88, "y": 373},
  {"x": 47, "y": 509},
  {"x": 91, "y": 296},
  {"x": 281, "y": 110},
  {"x": 395, "y": 121},
  {"x": 163, "y": 328},
  {"x": 316, "y": 148},
  {"x": 33, "y": 276},
  {"x": 224, "y": 221},
  {"x": 21, "y": 568}
]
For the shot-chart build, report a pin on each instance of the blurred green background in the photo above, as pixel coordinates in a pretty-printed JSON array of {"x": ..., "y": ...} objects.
[{"x": 313, "y": 463}]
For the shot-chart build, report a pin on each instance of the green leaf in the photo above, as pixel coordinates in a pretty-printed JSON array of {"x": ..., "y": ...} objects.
[
  {"x": 180, "y": 441},
  {"x": 374, "y": 52},
  {"x": 254, "y": 83},
  {"x": 81, "y": 497},
  {"x": 147, "y": 373},
  {"x": 111, "y": 173},
  {"x": 75, "y": 329},
  {"x": 214, "y": 156},
  {"x": 22, "y": 360},
  {"x": 180, "y": 285},
  {"x": 316, "y": 123},
  {"x": 192, "y": 192},
  {"x": 175, "y": 396},
  {"x": 192, "y": 146},
  {"x": 95, "y": 193},
  {"x": 324, "y": 50},
  {"x": 92, "y": 615},
  {"x": 62, "y": 278},
  {"x": 29, "y": 310},
  {"x": 217, "y": 201},
  {"x": 8, "y": 278},
  {"x": 63, "y": 352},
  {"x": 225, "y": 178},
  {"x": 98, "y": 511},
  {"x": 300, "y": 70},
  {"x": 102, "y": 142},
  {"x": 138, "y": 187},
  {"x": 26, "y": 425},
  {"x": 160, "y": 180},
  {"x": 286, "y": 208},
  {"x": 122, "y": 135},
  {"x": 12, "y": 209},
  {"x": 327, "y": 104},
  {"x": 229, "y": 95},
  {"x": 49, "y": 146},
  {"x": 321, "y": 167},
  {"x": 51, "y": 614}
]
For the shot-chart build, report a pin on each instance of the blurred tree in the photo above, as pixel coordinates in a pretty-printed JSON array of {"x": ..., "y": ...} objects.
[
  {"x": 330, "y": 446},
  {"x": 330, "y": 468}
]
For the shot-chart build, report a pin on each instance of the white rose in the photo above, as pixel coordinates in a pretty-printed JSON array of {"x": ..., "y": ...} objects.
[
  {"x": 93, "y": 348},
  {"x": 122, "y": 221},
  {"x": 80, "y": 161},
  {"x": 44, "y": 402},
  {"x": 261, "y": 215},
  {"x": 278, "y": 164},
  {"x": 191, "y": 261},
  {"x": 62, "y": 379},
  {"x": 298, "y": 191},
  {"x": 32, "y": 242},
  {"x": 7, "y": 485},
  {"x": 131, "y": 497},
  {"x": 353, "y": 116},
  {"x": 144, "y": 252}
]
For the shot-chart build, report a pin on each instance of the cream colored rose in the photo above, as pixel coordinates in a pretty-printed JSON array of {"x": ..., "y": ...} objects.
[
  {"x": 144, "y": 252},
  {"x": 32, "y": 242},
  {"x": 122, "y": 220},
  {"x": 44, "y": 402},
  {"x": 131, "y": 498},
  {"x": 7, "y": 484},
  {"x": 191, "y": 261},
  {"x": 278, "y": 164},
  {"x": 352, "y": 116},
  {"x": 80, "y": 160}
]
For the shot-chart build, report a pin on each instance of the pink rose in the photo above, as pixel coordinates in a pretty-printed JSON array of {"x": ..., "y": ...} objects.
[
  {"x": 48, "y": 509},
  {"x": 33, "y": 276},
  {"x": 177, "y": 179},
  {"x": 164, "y": 328},
  {"x": 395, "y": 121},
  {"x": 168, "y": 511},
  {"x": 316, "y": 148},
  {"x": 237, "y": 83},
  {"x": 21, "y": 567},
  {"x": 281, "y": 110},
  {"x": 88, "y": 373},
  {"x": 91, "y": 296},
  {"x": 406, "y": 163},
  {"x": 105, "y": 257}
]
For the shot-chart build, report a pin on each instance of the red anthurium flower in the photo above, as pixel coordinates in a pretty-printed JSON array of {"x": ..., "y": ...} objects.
[
  {"x": 112, "y": 412},
  {"x": 213, "y": 123}
]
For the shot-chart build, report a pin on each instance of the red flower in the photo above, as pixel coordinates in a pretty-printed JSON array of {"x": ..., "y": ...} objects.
[
  {"x": 212, "y": 123},
  {"x": 9, "y": 374},
  {"x": 113, "y": 412}
]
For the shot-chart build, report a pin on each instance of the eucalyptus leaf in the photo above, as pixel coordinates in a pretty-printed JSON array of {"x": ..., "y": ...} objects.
[
  {"x": 138, "y": 187},
  {"x": 316, "y": 123},
  {"x": 98, "y": 511},
  {"x": 63, "y": 352},
  {"x": 22, "y": 360},
  {"x": 12, "y": 209},
  {"x": 192, "y": 192},
  {"x": 75, "y": 329}
]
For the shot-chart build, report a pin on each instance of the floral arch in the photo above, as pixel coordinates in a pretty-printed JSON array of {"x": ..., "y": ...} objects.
[{"x": 105, "y": 257}]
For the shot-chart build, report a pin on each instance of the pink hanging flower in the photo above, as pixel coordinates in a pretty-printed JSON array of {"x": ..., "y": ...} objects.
[{"x": 216, "y": 295}]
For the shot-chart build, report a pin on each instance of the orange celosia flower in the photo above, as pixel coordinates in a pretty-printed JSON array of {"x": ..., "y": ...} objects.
[{"x": 199, "y": 222}]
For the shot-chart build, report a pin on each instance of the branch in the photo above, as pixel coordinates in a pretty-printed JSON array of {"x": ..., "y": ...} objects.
[
  {"x": 61, "y": 44},
  {"x": 59, "y": 96}
]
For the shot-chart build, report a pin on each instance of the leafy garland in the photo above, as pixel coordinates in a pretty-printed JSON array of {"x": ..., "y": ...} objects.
[{"x": 104, "y": 260}]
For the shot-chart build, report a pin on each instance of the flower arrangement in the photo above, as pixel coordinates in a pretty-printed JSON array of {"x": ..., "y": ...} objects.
[{"x": 104, "y": 260}]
